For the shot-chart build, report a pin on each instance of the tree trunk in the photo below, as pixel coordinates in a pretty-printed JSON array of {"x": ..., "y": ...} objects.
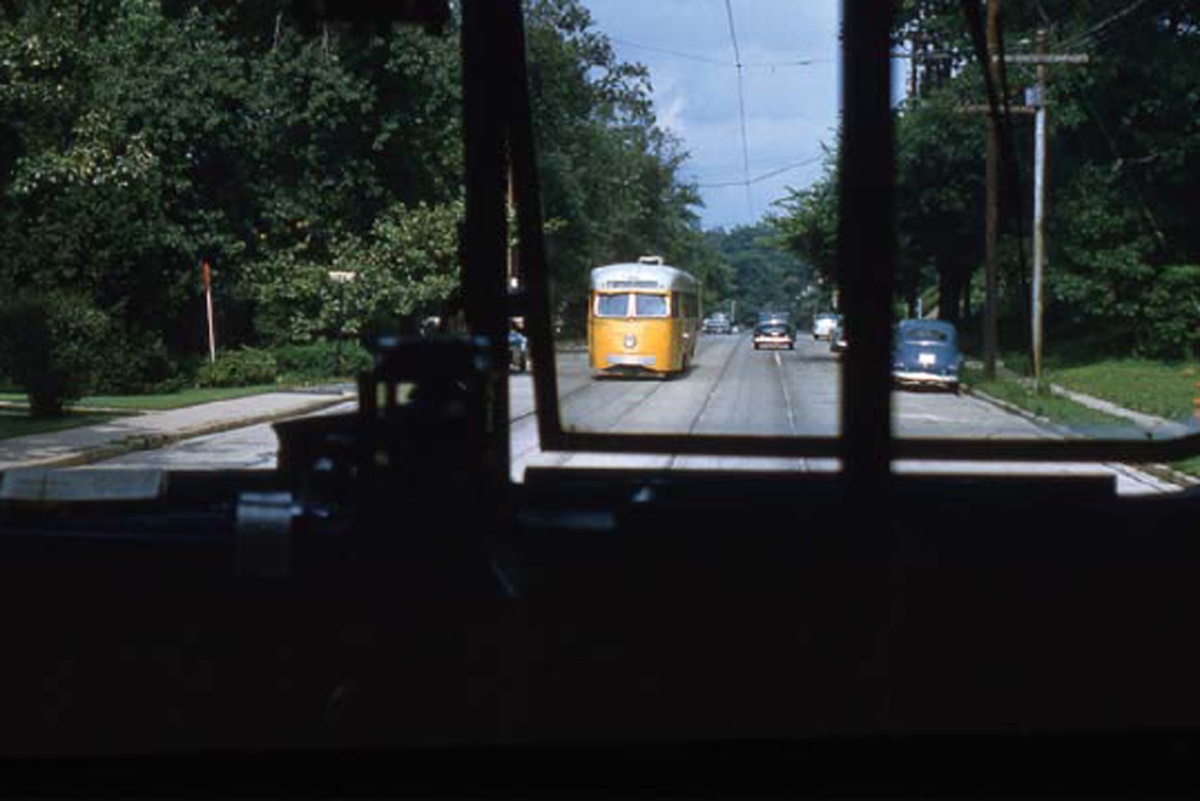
[
  {"x": 965, "y": 290},
  {"x": 947, "y": 295}
]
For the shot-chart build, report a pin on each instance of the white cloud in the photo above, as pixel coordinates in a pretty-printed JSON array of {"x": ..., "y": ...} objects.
[
  {"x": 790, "y": 109},
  {"x": 670, "y": 102}
]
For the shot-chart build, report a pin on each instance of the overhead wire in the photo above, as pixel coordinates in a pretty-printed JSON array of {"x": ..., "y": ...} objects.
[
  {"x": 741, "y": 107},
  {"x": 1147, "y": 213},
  {"x": 803, "y": 62},
  {"x": 740, "y": 66},
  {"x": 669, "y": 52},
  {"x": 764, "y": 176},
  {"x": 1092, "y": 33}
]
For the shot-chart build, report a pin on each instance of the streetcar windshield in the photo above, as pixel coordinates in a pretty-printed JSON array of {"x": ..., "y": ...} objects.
[
  {"x": 283, "y": 196},
  {"x": 613, "y": 305},
  {"x": 650, "y": 306},
  {"x": 728, "y": 126}
]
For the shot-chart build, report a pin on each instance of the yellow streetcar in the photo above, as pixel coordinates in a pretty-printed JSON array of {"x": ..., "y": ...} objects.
[{"x": 643, "y": 317}]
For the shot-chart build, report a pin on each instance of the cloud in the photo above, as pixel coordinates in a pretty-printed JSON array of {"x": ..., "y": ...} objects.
[
  {"x": 670, "y": 102},
  {"x": 790, "y": 109}
]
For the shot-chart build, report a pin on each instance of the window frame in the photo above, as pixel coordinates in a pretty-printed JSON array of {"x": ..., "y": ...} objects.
[{"x": 866, "y": 443}]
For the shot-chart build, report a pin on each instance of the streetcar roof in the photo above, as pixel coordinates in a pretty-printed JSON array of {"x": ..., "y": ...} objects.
[{"x": 631, "y": 275}]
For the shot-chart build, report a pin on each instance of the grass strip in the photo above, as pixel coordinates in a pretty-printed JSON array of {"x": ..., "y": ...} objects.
[
  {"x": 1158, "y": 388},
  {"x": 1189, "y": 466},
  {"x": 1054, "y": 408},
  {"x": 158, "y": 402}
]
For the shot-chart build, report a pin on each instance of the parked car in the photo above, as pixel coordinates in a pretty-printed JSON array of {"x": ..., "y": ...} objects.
[
  {"x": 925, "y": 353},
  {"x": 774, "y": 333},
  {"x": 773, "y": 317},
  {"x": 824, "y": 324},
  {"x": 717, "y": 324},
  {"x": 518, "y": 351},
  {"x": 837, "y": 341}
]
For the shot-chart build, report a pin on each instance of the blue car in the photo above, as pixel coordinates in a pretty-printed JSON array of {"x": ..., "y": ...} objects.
[
  {"x": 518, "y": 351},
  {"x": 925, "y": 353}
]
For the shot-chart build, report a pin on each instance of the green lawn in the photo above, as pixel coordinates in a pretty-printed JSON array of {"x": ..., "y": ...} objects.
[
  {"x": 1053, "y": 407},
  {"x": 19, "y": 424},
  {"x": 1163, "y": 389},
  {"x": 1189, "y": 466},
  {"x": 174, "y": 400},
  {"x": 1158, "y": 388}
]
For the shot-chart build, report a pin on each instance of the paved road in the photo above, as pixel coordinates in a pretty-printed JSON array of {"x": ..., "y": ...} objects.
[{"x": 732, "y": 389}]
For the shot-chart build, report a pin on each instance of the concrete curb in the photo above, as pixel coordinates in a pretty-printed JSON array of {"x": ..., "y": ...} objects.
[
  {"x": 154, "y": 441},
  {"x": 1042, "y": 422},
  {"x": 1161, "y": 472}
]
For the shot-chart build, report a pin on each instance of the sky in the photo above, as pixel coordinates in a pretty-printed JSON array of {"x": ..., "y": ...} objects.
[{"x": 790, "y": 108}]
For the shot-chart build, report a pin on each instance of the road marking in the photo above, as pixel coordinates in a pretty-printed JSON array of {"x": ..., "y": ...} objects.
[
  {"x": 708, "y": 398},
  {"x": 787, "y": 397}
]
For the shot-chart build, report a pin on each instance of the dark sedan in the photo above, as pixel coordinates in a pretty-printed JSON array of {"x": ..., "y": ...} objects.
[
  {"x": 925, "y": 353},
  {"x": 775, "y": 334}
]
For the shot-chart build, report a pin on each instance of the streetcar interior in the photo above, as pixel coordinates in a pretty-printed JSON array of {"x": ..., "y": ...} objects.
[{"x": 848, "y": 606}]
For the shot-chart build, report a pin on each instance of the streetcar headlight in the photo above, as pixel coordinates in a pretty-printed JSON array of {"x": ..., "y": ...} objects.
[{"x": 630, "y": 341}]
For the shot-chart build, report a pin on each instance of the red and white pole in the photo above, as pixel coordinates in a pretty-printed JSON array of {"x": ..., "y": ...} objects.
[{"x": 206, "y": 277}]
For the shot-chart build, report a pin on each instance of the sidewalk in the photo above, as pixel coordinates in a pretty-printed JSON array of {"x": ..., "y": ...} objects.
[
  {"x": 87, "y": 444},
  {"x": 1152, "y": 427}
]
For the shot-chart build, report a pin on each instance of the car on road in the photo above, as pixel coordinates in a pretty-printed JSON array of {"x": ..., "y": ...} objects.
[
  {"x": 837, "y": 341},
  {"x": 717, "y": 324},
  {"x": 824, "y": 324},
  {"x": 518, "y": 351},
  {"x": 774, "y": 333},
  {"x": 926, "y": 353}
]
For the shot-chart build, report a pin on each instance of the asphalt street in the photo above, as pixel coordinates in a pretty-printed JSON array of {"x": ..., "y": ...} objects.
[{"x": 731, "y": 389}]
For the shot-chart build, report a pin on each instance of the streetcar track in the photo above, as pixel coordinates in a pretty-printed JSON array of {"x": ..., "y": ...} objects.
[
  {"x": 561, "y": 459},
  {"x": 561, "y": 397},
  {"x": 677, "y": 461},
  {"x": 787, "y": 396},
  {"x": 708, "y": 397}
]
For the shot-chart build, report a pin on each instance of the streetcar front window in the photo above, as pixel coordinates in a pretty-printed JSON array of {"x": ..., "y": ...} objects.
[
  {"x": 651, "y": 306},
  {"x": 612, "y": 305}
]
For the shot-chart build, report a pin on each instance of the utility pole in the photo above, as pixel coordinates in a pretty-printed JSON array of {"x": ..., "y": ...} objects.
[
  {"x": 1037, "y": 106},
  {"x": 912, "y": 68},
  {"x": 992, "y": 203},
  {"x": 1036, "y": 103},
  {"x": 1039, "y": 209}
]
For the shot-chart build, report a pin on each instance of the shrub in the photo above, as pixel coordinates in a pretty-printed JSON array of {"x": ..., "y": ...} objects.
[
  {"x": 137, "y": 362},
  {"x": 52, "y": 344},
  {"x": 239, "y": 368},
  {"x": 1172, "y": 314},
  {"x": 319, "y": 360}
]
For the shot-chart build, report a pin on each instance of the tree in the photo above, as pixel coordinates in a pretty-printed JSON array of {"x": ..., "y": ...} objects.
[
  {"x": 1123, "y": 186},
  {"x": 406, "y": 267},
  {"x": 609, "y": 174},
  {"x": 140, "y": 137},
  {"x": 766, "y": 276}
]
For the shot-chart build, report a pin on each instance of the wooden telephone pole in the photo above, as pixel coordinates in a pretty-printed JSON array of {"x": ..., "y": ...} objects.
[
  {"x": 992, "y": 203},
  {"x": 1037, "y": 106},
  {"x": 1038, "y": 101}
]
